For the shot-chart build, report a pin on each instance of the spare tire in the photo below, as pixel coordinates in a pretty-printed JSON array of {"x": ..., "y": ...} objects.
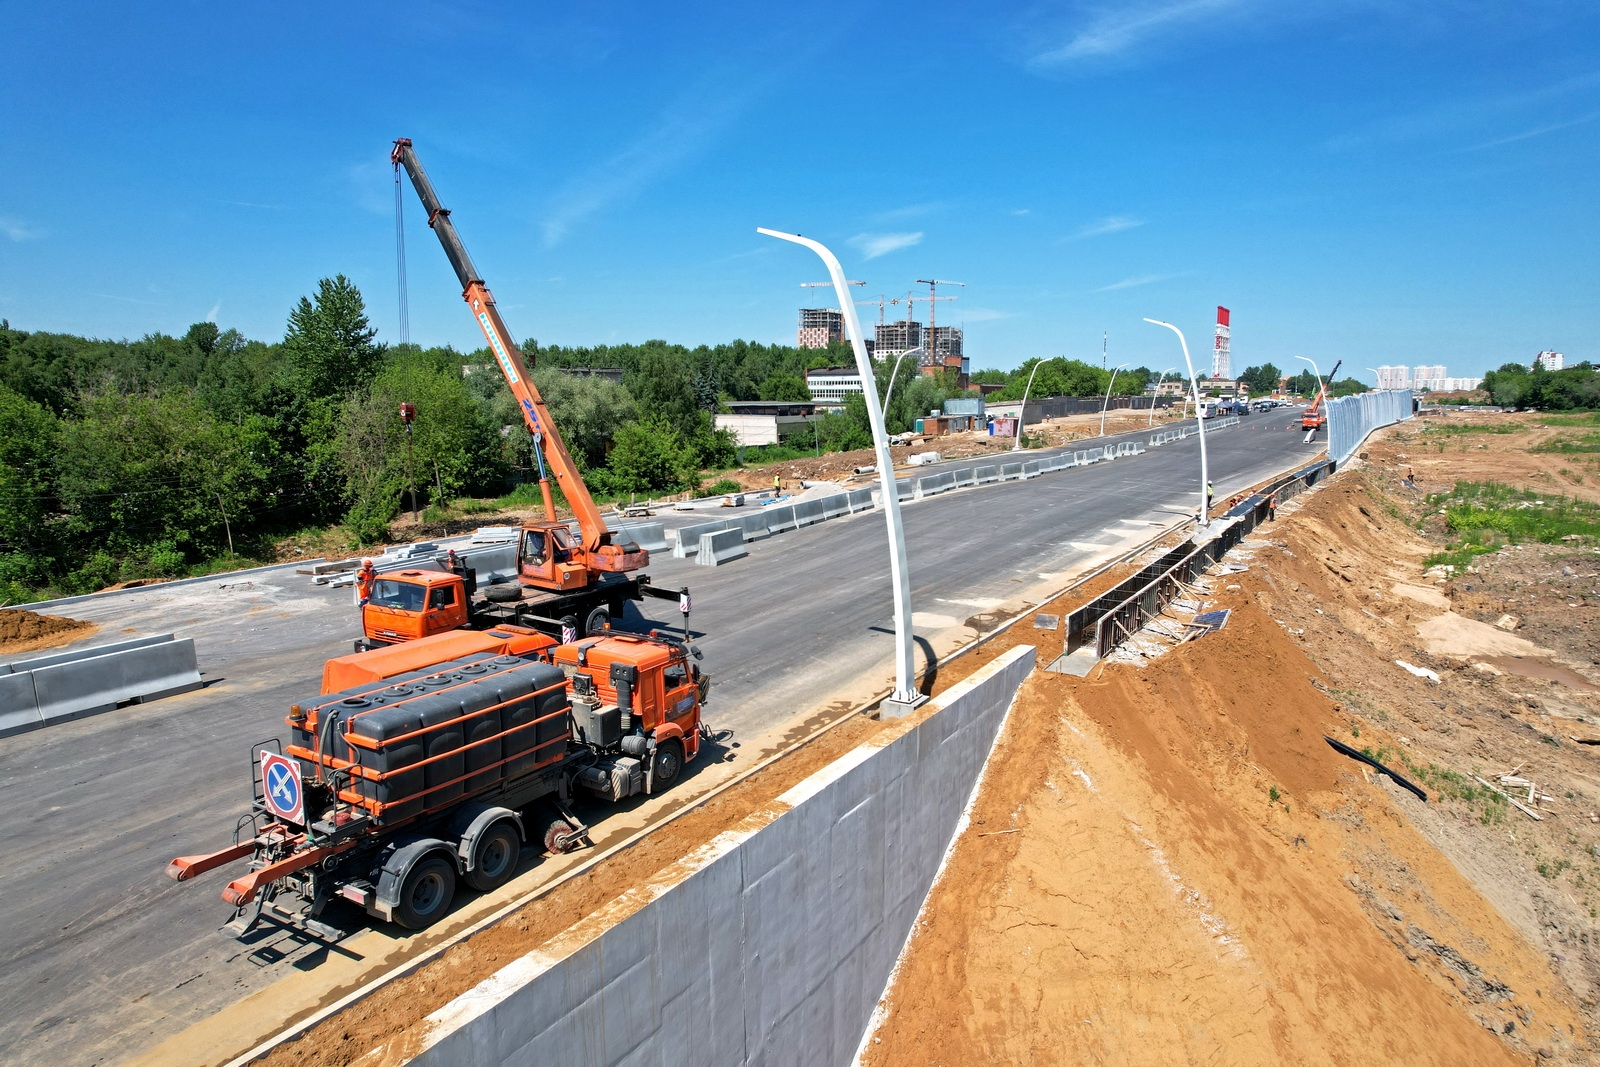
[{"x": 503, "y": 594}]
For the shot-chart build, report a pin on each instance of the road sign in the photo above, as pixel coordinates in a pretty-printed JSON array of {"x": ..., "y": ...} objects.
[{"x": 280, "y": 780}]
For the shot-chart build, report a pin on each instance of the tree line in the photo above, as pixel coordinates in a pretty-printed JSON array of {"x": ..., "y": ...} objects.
[
  {"x": 1575, "y": 388},
  {"x": 167, "y": 455}
]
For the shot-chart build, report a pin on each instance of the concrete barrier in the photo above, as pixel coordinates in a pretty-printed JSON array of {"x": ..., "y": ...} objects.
[
  {"x": 807, "y": 513},
  {"x": 754, "y": 526},
  {"x": 19, "y": 705},
  {"x": 986, "y": 474},
  {"x": 934, "y": 484},
  {"x": 33, "y": 663},
  {"x": 1031, "y": 469},
  {"x": 650, "y": 536},
  {"x": 688, "y": 537},
  {"x": 799, "y": 913},
  {"x": 860, "y": 500},
  {"x": 835, "y": 505},
  {"x": 779, "y": 519},
  {"x": 99, "y": 683},
  {"x": 721, "y": 547},
  {"x": 964, "y": 477},
  {"x": 906, "y": 488},
  {"x": 1010, "y": 472}
]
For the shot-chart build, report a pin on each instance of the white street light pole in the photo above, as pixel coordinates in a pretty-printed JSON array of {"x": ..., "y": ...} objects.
[
  {"x": 905, "y": 695},
  {"x": 1314, "y": 370},
  {"x": 1205, "y": 475},
  {"x": 1159, "y": 380},
  {"x": 1107, "y": 400},
  {"x": 1022, "y": 411},
  {"x": 889, "y": 394}
]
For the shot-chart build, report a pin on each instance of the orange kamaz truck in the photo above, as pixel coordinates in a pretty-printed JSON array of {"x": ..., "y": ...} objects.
[{"x": 431, "y": 763}]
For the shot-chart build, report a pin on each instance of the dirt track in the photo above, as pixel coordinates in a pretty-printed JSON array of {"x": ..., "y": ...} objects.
[{"x": 1169, "y": 865}]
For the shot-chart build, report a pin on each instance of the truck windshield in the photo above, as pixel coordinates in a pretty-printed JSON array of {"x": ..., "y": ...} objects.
[{"x": 388, "y": 593}]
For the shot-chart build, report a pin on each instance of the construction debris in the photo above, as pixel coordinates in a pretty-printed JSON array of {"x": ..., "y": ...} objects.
[{"x": 1420, "y": 672}]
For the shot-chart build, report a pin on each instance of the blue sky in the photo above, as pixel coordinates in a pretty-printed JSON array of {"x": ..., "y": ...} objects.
[{"x": 1391, "y": 181}]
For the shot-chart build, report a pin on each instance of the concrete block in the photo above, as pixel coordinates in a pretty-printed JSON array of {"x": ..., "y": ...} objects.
[
  {"x": 905, "y": 488},
  {"x": 688, "y": 537},
  {"x": 753, "y": 525},
  {"x": 650, "y": 536},
  {"x": 721, "y": 547},
  {"x": 934, "y": 484},
  {"x": 1010, "y": 472},
  {"x": 807, "y": 512},
  {"x": 87, "y": 686},
  {"x": 19, "y": 706},
  {"x": 986, "y": 474},
  {"x": 860, "y": 500},
  {"x": 33, "y": 663},
  {"x": 834, "y": 506},
  {"x": 779, "y": 519},
  {"x": 1031, "y": 469},
  {"x": 964, "y": 477}
]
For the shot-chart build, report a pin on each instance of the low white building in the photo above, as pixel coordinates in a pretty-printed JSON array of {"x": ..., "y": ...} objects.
[
  {"x": 831, "y": 385},
  {"x": 766, "y": 422}
]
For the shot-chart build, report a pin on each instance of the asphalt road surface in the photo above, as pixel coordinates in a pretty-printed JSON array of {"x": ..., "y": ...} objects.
[{"x": 102, "y": 956}]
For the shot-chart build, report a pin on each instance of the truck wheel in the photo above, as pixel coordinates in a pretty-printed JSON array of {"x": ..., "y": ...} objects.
[
  {"x": 596, "y": 620},
  {"x": 426, "y": 893},
  {"x": 494, "y": 857},
  {"x": 669, "y": 762},
  {"x": 560, "y": 838}
]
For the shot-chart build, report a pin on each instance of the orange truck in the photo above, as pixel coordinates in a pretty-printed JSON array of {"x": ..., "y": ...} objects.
[
  {"x": 562, "y": 574},
  {"x": 1316, "y": 416},
  {"x": 429, "y": 763}
]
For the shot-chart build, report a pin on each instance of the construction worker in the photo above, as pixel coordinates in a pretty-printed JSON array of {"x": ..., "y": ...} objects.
[
  {"x": 1272, "y": 508},
  {"x": 777, "y": 484},
  {"x": 364, "y": 579},
  {"x": 1211, "y": 491}
]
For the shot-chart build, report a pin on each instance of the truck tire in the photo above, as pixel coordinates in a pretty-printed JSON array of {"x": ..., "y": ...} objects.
[
  {"x": 668, "y": 765},
  {"x": 494, "y": 857},
  {"x": 507, "y": 593},
  {"x": 597, "y": 619},
  {"x": 426, "y": 893}
]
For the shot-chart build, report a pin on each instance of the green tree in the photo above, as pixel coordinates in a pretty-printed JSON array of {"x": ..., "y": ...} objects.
[
  {"x": 28, "y": 433},
  {"x": 1262, "y": 379},
  {"x": 329, "y": 345},
  {"x": 649, "y": 456},
  {"x": 781, "y": 385}
]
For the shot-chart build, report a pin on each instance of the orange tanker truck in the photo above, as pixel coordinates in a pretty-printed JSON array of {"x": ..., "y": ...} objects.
[{"x": 426, "y": 764}]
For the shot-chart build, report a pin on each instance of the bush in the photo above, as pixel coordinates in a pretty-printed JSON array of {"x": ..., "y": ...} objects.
[{"x": 725, "y": 486}]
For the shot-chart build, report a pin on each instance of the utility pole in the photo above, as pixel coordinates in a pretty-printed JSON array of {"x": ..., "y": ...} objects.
[{"x": 408, "y": 415}]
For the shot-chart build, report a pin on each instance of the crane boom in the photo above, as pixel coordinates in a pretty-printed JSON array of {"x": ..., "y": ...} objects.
[{"x": 601, "y": 553}]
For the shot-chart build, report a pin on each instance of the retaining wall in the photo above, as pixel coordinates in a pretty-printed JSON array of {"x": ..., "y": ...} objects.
[{"x": 772, "y": 943}]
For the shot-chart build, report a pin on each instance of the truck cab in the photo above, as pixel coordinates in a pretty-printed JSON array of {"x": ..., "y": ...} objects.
[
  {"x": 409, "y": 604},
  {"x": 550, "y": 557}
]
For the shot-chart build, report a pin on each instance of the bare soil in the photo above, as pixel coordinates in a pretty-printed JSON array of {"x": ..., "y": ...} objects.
[
  {"x": 27, "y": 631},
  {"x": 1168, "y": 863}
]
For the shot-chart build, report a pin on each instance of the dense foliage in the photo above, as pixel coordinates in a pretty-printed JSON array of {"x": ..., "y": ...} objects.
[
  {"x": 168, "y": 455},
  {"x": 1516, "y": 386},
  {"x": 1064, "y": 377}
]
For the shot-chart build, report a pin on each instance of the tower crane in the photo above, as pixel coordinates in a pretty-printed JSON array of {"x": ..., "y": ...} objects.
[{"x": 933, "y": 298}]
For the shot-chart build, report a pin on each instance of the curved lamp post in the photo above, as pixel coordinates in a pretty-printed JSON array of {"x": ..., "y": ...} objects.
[
  {"x": 1022, "y": 411},
  {"x": 905, "y": 695},
  {"x": 1205, "y": 476},
  {"x": 1314, "y": 370},
  {"x": 888, "y": 395},
  {"x": 1107, "y": 400}
]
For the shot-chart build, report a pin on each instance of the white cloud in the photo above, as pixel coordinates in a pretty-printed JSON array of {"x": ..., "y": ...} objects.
[
  {"x": 216, "y": 309},
  {"x": 1136, "y": 280},
  {"x": 1022, "y": 211},
  {"x": 873, "y": 245},
  {"x": 1460, "y": 116},
  {"x": 1109, "y": 224},
  {"x": 911, "y": 211},
  {"x": 1113, "y": 31},
  {"x": 17, "y": 230}
]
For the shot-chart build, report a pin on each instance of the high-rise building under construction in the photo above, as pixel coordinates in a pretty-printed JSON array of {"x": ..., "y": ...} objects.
[{"x": 820, "y": 327}]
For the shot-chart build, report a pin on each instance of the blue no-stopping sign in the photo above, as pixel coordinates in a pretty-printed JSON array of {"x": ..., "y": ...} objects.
[{"x": 280, "y": 781}]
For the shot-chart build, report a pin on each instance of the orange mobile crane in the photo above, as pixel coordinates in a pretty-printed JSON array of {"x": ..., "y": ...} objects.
[
  {"x": 583, "y": 579},
  {"x": 1316, "y": 416}
]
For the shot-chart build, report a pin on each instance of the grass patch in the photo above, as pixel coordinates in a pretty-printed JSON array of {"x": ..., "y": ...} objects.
[
  {"x": 1453, "y": 428},
  {"x": 1486, "y": 515},
  {"x": 1489, "y": 806},
  {"x": 1588, "y": 418},
  {"x": 1570, "y": 444},
  {"x": 726, "y": 485}
]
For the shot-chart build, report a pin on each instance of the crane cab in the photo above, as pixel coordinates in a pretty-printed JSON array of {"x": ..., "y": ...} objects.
[{"x": 551, "y": 557}]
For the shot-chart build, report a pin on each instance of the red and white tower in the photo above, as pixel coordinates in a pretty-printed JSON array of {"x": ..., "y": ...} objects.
[{"x": 1219, "y": 358}]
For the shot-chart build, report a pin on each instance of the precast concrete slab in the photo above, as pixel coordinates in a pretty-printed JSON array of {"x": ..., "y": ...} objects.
[
  {"x": 757, "y": 985},
  {"x": 721, "y": 547}
]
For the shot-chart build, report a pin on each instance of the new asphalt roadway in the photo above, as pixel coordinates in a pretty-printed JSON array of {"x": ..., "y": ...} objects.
[{"x": 102, "y": 956}]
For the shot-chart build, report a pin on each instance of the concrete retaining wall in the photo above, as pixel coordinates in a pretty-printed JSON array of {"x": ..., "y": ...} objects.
[{"x": 772, "y": 943}]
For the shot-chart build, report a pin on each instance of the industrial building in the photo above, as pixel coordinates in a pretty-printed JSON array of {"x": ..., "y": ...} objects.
[
  {"x": 830, "y": 385},
  {"x": 820, "y": 327}
]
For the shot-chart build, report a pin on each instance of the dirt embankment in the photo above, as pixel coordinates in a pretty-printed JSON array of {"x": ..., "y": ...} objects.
[
  {"x": 28, "y": 631},
  {"x": 1169, "y": 865}
]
